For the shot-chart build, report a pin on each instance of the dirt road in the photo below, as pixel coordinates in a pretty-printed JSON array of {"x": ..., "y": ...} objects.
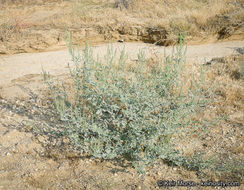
[{"x": 26, "y": 67}]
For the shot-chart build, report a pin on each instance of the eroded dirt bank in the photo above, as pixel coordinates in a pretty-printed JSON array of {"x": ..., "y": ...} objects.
[{"x": 35, "y": 26}]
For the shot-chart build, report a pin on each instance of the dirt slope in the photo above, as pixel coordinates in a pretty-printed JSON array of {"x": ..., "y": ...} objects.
[{"x": 34, "y": 26}]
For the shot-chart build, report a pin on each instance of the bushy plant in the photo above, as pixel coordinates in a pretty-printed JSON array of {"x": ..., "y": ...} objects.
[{"x": 132, "y": 113}]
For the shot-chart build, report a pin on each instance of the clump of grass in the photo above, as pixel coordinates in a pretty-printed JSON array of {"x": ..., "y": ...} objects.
[
  {"x": 123, "y": 3},
  {"x": 13, "y": 28},
  {"x": 137, "y": 113}
]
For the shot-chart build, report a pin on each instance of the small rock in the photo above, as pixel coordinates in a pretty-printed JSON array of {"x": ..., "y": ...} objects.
[{"x": 7, "y": 154}]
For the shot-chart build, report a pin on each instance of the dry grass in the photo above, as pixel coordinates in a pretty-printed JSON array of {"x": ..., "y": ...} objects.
[
  {"x": 200, "y": 19},
  {"x": 225, "y": 138}
]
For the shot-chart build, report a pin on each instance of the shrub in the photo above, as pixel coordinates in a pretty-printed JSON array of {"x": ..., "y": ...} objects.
[{"x": 123, "y": 112}]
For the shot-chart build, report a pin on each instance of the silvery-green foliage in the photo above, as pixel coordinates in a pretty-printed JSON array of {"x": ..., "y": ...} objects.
[{"x": 115, "y": 115}]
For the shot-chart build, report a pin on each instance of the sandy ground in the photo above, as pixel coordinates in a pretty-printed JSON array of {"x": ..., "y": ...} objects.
[{"x": 22, "y": 164}]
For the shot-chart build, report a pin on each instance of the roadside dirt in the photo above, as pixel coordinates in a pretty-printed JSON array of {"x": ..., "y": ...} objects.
[{"x": 25, "y": 162}]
